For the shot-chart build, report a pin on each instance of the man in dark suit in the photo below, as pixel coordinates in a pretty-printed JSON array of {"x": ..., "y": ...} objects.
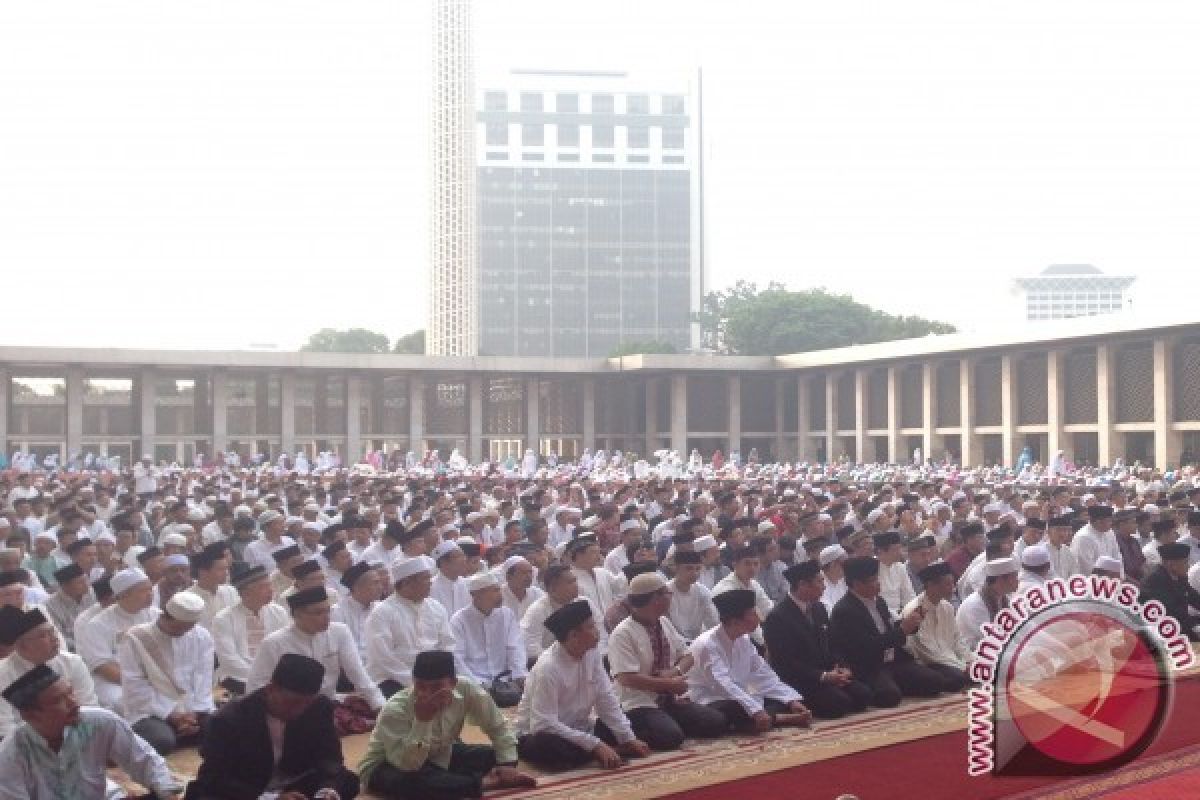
[
  {"x": 797, "y": 636},
  {"x": 1168, "y": 584},
  {"x": 280, "y": 738},
  {"x": 862, "y": 630}
]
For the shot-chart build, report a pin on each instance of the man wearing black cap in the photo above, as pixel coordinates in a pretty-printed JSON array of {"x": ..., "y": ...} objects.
[
  {"x": 936, "y": 643},
  {"x": 361, "y": 589},
  {"x": 565, "y": 687},
  {"x": 729, "y": 675},
  {"x": 72, "y": 596},
  {"x": 896, "y": 588},
  {"x": 797, "y": 636},
  {"x": 1125, "y": 529},
  {"x": 63, "y": 750},
  {"x": 34, "y": 642},
  {"x": 239, "y": 631},
  {"x": 692, "y": 611},
  {"x": 1059, "y": 531},
  {"x": 1168, "y": 584},
  {"x": 861, "y": 628},
  {"x": 211, "y": 570},
  {"x": 416, "y": 751},
  {"x": 1095, "y": 539},
  {"x": 280, "y": 738}
]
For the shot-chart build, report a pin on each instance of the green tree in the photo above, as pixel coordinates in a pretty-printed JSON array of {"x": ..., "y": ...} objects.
[
  {"x": 354, "y": 340},
  {"x": 638, "y": 348},
  {"x": 778, "y": 321},
  {"x": 411, "y": 344}
]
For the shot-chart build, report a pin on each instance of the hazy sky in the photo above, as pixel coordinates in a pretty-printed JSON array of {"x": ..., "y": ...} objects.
[{"x": 222, "y": 173}]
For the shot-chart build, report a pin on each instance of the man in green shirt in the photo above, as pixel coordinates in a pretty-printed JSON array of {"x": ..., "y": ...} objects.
[{"x": 415, "y": 750}]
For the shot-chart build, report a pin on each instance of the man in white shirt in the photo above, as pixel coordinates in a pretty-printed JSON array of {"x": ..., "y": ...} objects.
[
  {"x": 566, "y": 686},
  {"x": 72, "y": 597},
  {"x": 1035, "y": 568},
  {"x": 648, "y": 659},
  {"x": 448, "y": 586},
  {"x": 596, "y": 584},
  {"x": 1095, "y": 539},
  {"x": 691, "y": 611},
  {"x": 487, "y": 636},
  {"x": 983, "y": 606},
  {"x": 388, "y": 549},
  {"x": 258, "y": 552},
  {"x": 833, "y": 560},
  {"x": 34, "y": 641},
  {"x": 313, "y": 634},
  {"x": 518, "y": 592},
  {"x": 745, "y": 568},
  {"x": 211, "y": 567},
  {"x": 1058, "y": 545},
  {"x": 561, "y": 588},
  {"x": 361, "y": 587},
  {"x": 167, "y": 675},
  {"x": 895, "y": 587},
  {"x": 729, "y": 676},
  {"x": 407, "y": 622},
  {"x": 97, "y": 641},
  {"x": 239, "y": 630},
  {"x": 936, "y": 642}
]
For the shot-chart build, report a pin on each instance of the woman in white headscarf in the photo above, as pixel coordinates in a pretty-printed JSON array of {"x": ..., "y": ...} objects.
[
  {"x": 456, "y": 461},
  {"x": 529, "y": 464}
]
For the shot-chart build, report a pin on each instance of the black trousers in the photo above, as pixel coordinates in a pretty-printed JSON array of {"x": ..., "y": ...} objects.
[
  {"x": 834, "y": 702},
  {"x": 900, "y": 679},
  {"x": 235, "y": 687},
  {"x": 665, "y": 727},
  {"x": 737, "y": 718},
  {"x": 462, "y": 778},
  {"x": 552, "y": 752},
  {"x": 953, "y": 679}
]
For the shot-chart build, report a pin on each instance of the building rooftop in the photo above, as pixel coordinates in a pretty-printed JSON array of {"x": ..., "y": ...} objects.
[{"x": 1071, "y": 269}]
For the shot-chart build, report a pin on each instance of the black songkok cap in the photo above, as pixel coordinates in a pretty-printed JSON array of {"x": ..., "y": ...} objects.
[
  {"x": 12, "y": 576},
  {"x": 333, "y": 548},
  {"x": 734, "y": 603},
  {"x": 888, "y": 539},
  {"x": 1036, "y": 524},
  {"x": 299, "y": 674},
  {"x": 568, "y": 618},
  {"x": 77, "y": 545},
  {"x": 688, "y": 557},
  {"x": 433, "y": 665},
  {"x": 920, "y": 543},
  {"x": 638, "y": 568},
  {"x": 395, "y": 530},
  {"x": 23, "y": 692},
  {"x": 102, "y": 588},
  {"x": 205, "y": 559},
  {"x": 68, "y": 573},
  {"x": 1063, "y": 521},
  {"x": 1174, "y": 552},
  {"x": 971, "y": 528},
  {"x": 861, "y": 568},
  {"x": 307, "y": 597},
  {"x": 935, "y": 571},
  {"x": 1163, "y": 526},
  {"x": 1100, "y": 512},
  {"x": 804, "y": 571},
  {"x": 244, "y": 574},
  {"x": 284, "y": 553},
  {"x": 306, "y": 568},
  {"x": 351, "y": 576},
  {"x": 11, "y": 621},
  {"x": 149, "y": 553}
]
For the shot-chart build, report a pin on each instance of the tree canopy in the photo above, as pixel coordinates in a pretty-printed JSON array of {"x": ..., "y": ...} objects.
[
  {"x": 411, "y": 343},
  {"x": 742, "y": 320},
  {"x": 353, "y": 340},
  {"x": 643, "y": 347}
]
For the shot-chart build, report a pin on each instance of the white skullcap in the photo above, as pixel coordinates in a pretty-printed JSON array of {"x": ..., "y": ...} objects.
[
  {"x": 176, "y": 560},
  {"x": 705, "y": 542},
  {"x": 1035, "y": 555},
  {"x": 513, "y": 561},
  {"x": 312, "y": 508},
  {"x": 267, "y": 517},
  {"x": 766, "y": 525},
  {"x": 835, "y": 552},
  {"x": 185, "y": 606},
  {"x": 449, "y": 528},
  {"x": 175, "y": 540},
  {"x": 411, "y": 566},
  {"x": 105, "y": 536},
  {"x": 630, "y": 524},
  {"x": 126, "y": 579},
  {"x": 590, "y": 522},
  {"x": 1110, "y": 564},
  {"x": 824, "y": 518},
  {"x": 482, "y": 580},
  {"x": 243, "y": 511},
  {"x": 993, "y": 508},
  {"x": 294, "y": 521},
  {"x": 875, "y": 516},
  {"x": 196, "y": 515},
  {"x": 443, "y": 548},
  {"x": 1001, "y": 566},
  {"x": 940, "y": 507},
  {"x": 311, "y": 526},
  {"x": 474, "y": 516},
  {"x": 1150, "y": 508},
  {"x": 789, "y": 492},
  {"x": 46, "y": 535}
]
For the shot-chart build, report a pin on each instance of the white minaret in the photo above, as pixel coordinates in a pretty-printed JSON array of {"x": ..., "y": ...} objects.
[{"x": 454, "y": 282}]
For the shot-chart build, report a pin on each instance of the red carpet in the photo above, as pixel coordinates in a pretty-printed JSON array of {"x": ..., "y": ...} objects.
[{"x": 935, "y": 768}]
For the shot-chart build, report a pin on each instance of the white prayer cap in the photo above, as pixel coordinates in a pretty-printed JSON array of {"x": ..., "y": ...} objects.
[
  {"x": 875, "y": 516},
  {"x": 449, "y": 528},
  {"x": 185, "y": 606},
  {"x": 48, "y": 535},
  {"x": 175, "y": 540},
  {"x": 243, "y": 511},
  {"x": 513, "y": 561},
  {"x": 1029, "y": 504},
  {"x": 1110, "y": 564},
  {"x": 267, "y": 517},
  {"x": 1001, "y": 566},
  {"x": 705, "y": 542},
  {"x": 196, "y": 515},
  {"x": 835, "y": 552},
  {"x": 1035, "y": 555},
  {"x": 176, "y": 560},
  {"x": 1087, "y": 498},
  {"x": 311, "y": 526},
  {"x": 411, "y": 566},
  {"x": 444, "y": 548},
  {"x": 789, "y": 492},
  {"x": 646, "y": 583},
  {"x": 939, "y": 507},
  {"x": 994, "y": 508},
  {"x": 766, "y": 525},
  {"x": 474, "y": 516},
  {"x": 126, "y": 579},
  {"x": 630, "y": 524},
  {"x": 824, "y": 518},
  {"x": 482, "y": 580},
  {"x": 312, "y": 508},
  {"x": 590, "y": 522},
  {"x": 105, "y": 536},
  {"x": 294, "y": 521},
  {"x": 1150, "y": 508}
]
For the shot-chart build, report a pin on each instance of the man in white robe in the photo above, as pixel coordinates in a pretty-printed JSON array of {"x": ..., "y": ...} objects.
[
  {"x": 692, "y": 611},
  {"x": 1095, "y": 539},
  {"x": 239, "y": 630},
  {"x": 361, "y": 594},
  {"x": 211, "y": 567},
  {"x": 596, "y": 584},
  {"x": 518, "y": 591},
  {"x": 936, "y": 642},
  {"x": 895, "y": 586},
  {"x": 258, "y": 552},
  {"x": 97, "y": 640},
  {"x": 34, "y": 642},
  {"x": 983, "y": 606},
  {"x": 487, "y": 636},
  {"x": 1058, "y": 545},
  {"x": 449, "y": 587},
  {"x": 561, "y": 588},
  {"x": 68, "y": 601}
]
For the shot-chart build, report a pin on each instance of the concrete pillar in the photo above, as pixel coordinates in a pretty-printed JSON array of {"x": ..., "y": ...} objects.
[
  {"x": 894, "y": 450},
  {"x": 416, "y": 414},
  {"x": 652, "y": 425},
  {"x": 220, "y": 401},
  {"x": 804, "y": 445},
  {"x": 972, "y": 453},
  {"x": 74, "y": 410},
  {"x": 6, "y": 387},
  {"x": 679, "y": 420},
  {"x": 148, "y": 428},
  {"x": 1106, "y": 385},
  {"x": 782, "y": 451},
  {"x": 1168, "y": 442},
  {"x": 860, "y": 416},
  {"x": 1008, "y": 409},
  {"x": 475, "y": 419},
  {"x": 533, "y": 414},
  {"x": 929, "y": 408},
  {"x": 734, "y": 426},
  {"x": 831, "y": 401},
  {"x": 287, "y": 413},
  {"x": 354, "y": 443},
  {"x": 589, "y": 414},
  {"x": 1056, "y": 439}
]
